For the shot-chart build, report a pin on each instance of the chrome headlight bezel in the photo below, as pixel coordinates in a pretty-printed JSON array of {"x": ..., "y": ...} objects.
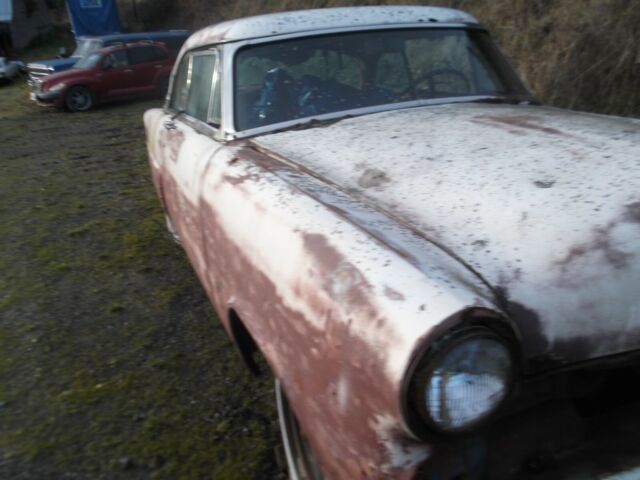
[{"x": 414, "y": 394}]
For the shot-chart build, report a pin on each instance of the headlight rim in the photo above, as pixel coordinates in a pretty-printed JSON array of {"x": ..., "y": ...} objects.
[{"x": 420, "y": 424}]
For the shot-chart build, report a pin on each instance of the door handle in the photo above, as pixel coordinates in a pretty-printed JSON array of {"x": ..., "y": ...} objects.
[
  {"x": 157, "y": 66},
  {"x": 128, "y": 70},
  {"x": 170, "y": 125}
]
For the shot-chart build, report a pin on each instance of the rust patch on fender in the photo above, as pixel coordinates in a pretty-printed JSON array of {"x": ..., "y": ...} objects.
[
  {"x": 170, "y": 142},
  {"x": 601, "y": 242}
]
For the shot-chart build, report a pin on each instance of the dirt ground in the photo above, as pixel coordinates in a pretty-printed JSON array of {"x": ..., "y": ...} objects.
[{"x": 112, "y": 362}]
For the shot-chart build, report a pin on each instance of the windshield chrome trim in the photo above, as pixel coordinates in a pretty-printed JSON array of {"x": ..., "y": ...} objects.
[{"x": 357, "y": 112}]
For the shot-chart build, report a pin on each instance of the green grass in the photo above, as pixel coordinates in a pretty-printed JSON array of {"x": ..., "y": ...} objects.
[{"x": 112, "y": 362}]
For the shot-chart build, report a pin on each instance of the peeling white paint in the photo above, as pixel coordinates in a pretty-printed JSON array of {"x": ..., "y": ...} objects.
[{"x": 513, "y": 190}]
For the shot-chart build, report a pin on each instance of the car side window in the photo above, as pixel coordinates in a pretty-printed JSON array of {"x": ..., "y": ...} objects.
[
  {"x": 178, "y": 101},
  {"x": 200, "y": 83},
  {"x": 196, "y": 87},
  {"x": 117, "y": 59},
  {"x": 138, "y": 55}
]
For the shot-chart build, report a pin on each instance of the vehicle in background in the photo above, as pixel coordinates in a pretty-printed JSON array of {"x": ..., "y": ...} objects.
[
  {"x": 108, "y": 74},
  {"x": 441, "y": 273},
  {"x": 10, "y": 69},
  {"x": 173, "y": 40}
]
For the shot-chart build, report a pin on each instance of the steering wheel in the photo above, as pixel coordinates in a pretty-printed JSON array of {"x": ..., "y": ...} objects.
[{"x": 427, "y": 83}]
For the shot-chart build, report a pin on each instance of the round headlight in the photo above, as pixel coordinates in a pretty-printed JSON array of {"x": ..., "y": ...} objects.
[{"x": 462, "y": 383}]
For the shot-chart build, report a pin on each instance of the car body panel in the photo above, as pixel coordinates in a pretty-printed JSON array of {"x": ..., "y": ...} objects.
[
  {"x": 321, "y": 286},
  {"x": 325, "y": 19},
  {"x": 577, "y": 222},
  {"x": 9, "y": 69},
  {"x": 349, "y": 248}
]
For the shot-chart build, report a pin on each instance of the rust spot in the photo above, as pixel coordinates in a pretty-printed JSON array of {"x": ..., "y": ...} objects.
[
  {"x": 170, "y": 142},
  {"x": 544, "y": 183},
  {"x": 632, "y": 213},
  {"x": 241, "y": 179},
  {"x": 393, "y": 294},
  {"x": 373, "y": 178},
  {"x": 480, "y": 243},
  {"x": 601, "y": 243},
  {"x": 521, "y": 122}
]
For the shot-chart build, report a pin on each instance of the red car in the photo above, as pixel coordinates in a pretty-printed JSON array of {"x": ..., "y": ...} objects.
[{"x": 108, "y": 74}]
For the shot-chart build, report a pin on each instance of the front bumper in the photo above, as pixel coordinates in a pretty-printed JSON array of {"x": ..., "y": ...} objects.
[
  {"x": 575, "y": 426},
  {"x": 47, "y": 98}
]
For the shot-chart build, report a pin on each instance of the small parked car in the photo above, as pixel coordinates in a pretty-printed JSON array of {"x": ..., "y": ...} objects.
[
  {"x": 112, "y": 73},
  {"x": 441, "y": 273},
  {"x": 10, "y": 69},
  {"x": 173, "y": 40}
]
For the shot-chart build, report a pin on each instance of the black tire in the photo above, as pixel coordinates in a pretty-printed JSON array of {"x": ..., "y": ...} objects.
[
  {"x": 78, "y": 99},
  {"x": 301, "y": 463}
]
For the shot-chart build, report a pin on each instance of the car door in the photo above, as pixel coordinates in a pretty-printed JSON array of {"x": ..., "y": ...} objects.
[
  {"x": 116, "y": 75},
  {"x": 145, "y": 63},
  {"x": 184, "y": 144}
]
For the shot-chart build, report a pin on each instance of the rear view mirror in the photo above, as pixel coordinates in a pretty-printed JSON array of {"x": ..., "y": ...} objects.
[{"x": 62, "y": 53}]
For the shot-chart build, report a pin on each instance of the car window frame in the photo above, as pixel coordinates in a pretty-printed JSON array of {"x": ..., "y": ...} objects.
[
  {"x": 197, "y": 124},
  {"x": 228, "y": 71}
]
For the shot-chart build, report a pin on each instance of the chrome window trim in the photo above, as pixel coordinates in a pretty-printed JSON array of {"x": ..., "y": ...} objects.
[
  {"x": 197, "y": 124},
  {"x": 343, "y": 114}
]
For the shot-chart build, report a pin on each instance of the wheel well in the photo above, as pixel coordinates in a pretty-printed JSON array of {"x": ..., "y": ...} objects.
[{"x": 244, "y": 342}]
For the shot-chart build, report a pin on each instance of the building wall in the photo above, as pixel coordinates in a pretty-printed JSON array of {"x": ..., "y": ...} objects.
[{"x": 30, "y": 20}]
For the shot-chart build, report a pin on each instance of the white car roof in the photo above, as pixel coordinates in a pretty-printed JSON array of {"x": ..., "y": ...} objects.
[{"x": 323, "y": 19}]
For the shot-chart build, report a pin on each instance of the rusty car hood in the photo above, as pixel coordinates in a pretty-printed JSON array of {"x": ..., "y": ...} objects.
[{"x": 542, "y": 203}]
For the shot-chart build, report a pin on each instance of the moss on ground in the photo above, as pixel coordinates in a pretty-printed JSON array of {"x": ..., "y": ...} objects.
[{"x": 112, "y": 363}]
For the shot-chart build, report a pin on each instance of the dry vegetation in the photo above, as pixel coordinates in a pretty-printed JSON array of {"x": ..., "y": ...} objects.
[{"x": 582, "y": 54}]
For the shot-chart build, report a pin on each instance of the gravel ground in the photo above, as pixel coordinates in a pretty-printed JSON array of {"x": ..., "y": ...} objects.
[{"x": 112, "y": 363}]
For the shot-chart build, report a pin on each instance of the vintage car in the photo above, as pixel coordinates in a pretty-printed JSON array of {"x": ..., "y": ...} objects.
[
  {"x": 441, "y": 273},
  {"x": 113, "y": 73},
  {"x": 38, "y": 70}
]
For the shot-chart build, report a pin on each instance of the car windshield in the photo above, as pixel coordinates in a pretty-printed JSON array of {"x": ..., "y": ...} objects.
[
  {"x": 88, "y": 62},
  {"x": 87, "y": 46},
  {"x": 304, "y": 77}
]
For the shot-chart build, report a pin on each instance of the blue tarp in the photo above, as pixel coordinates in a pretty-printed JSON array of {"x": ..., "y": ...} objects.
[
  {"x": 93, "y": 17},
  {"x": 6, "y": 11}
]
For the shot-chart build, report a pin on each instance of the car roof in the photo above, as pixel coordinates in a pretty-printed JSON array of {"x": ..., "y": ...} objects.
[
  {"x": 323, "y": 19},
  {"x": 139, "y": 35},
  {"x": 141, "y": 43}
]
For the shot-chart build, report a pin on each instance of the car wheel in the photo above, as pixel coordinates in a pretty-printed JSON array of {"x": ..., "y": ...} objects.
[
  {"x": 301, "y": 463},
  {"x": 78, "y": 99}
]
